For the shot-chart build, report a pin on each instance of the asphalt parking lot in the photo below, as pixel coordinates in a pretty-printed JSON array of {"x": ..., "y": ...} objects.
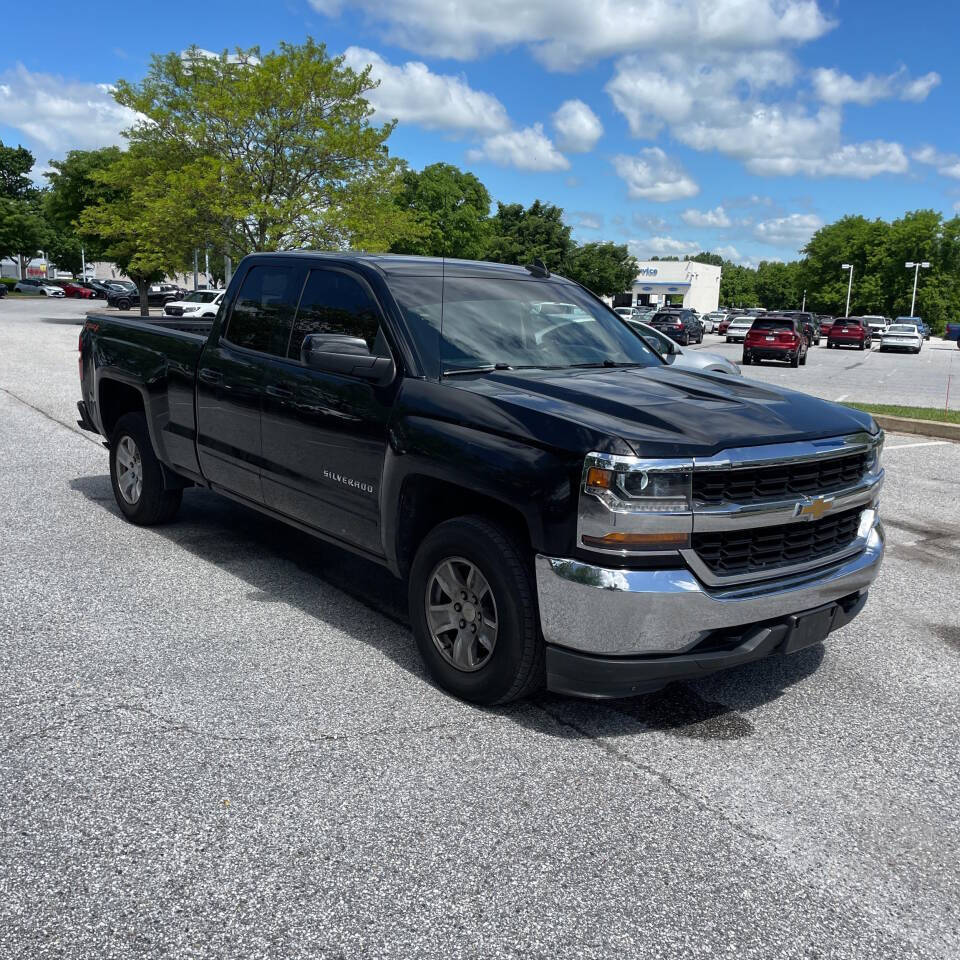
[
  {"x": 928, "y": 379},
  {"x": 217, "y": 741}
]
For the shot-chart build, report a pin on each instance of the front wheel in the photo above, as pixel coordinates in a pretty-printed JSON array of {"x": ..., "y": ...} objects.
[
  {"x": 123, "y": 304},
  {"x": 136, "y": 474},
  {"x": 474, "y": 612}
]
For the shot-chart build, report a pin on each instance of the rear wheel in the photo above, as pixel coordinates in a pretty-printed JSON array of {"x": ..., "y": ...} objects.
[
  {"x": 795, "y": 359},
  {"x": 136, "y": 474},
  {"x": 803, "y": 359},
  {"x": 474, "y": 613}
]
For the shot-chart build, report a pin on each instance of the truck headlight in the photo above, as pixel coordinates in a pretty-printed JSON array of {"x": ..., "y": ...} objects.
[
  {"x": 875, "y": 456},
  {"x": 631, "y": 506}
]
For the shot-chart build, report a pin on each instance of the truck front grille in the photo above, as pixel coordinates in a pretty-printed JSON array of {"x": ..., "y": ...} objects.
[
  {"x": 812, "y": 477},
  {"x": 737, "y": 552}
]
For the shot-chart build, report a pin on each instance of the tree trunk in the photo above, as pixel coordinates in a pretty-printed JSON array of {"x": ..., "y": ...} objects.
[{"x": 144, "y": 302}]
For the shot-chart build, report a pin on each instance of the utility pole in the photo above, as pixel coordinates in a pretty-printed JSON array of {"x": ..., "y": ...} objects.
[
  {"x": 206, "y": 263},
  {"x": 803, "y": 306},
  {"x": 848, "y": 266},
  {"x": 196, "y": 268},
  {"x": 227, "y": 270},
  {"x": 83, "y": 264},
  {"x": 916, "y": 272}
]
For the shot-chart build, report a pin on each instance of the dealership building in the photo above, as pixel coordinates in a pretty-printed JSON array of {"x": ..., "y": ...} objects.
[{"x": 665, "y": 281}]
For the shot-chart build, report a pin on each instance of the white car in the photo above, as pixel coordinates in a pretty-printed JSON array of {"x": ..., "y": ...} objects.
[
  {"x": 198, "y": 305},
  {"x": 712, "y": 320},
  {"x": 683, "y": 357},
  {"x": 902, "y": 336},
  {"x": 38, "y": 288},
  {"x": 739, "y": 328},
  {"x": 876, "y": 324}
]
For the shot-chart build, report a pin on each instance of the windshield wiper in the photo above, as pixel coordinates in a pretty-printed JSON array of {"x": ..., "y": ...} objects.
[
  {"x": 487, "y": 368},
  {"x": 603, "y": 363}
]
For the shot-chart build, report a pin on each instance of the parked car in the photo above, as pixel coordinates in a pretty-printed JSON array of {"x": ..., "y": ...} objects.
[
  {"x": 850, "y": 332},
  {"x": 680, "y": 325},
  {"x": 674, "y": 354},
  {"x": 126, "y": 299},
  {"x": 808, "y": 323},
  {"x": 3, "y": 290},
  {"x": 952, "y": 332},
  {"x": 98, "y": 289},
  {"x": 199, "y": 303},
  {"x": 826, "y": 322},
  {"x": 559, "y": 503},
  {"x": 738, "y": 329},
  {"x": 628, "y": 313},
  {"x": 877, "y": 324},
  {"x": 902, "y": 336},
  {"x": 776, "y": 338},
  {"x": 921, "y": 326},
  {"x": 38, "y": 288},
  {"x": 77, "y": 290},
  {"x": 713, "y": 319}
]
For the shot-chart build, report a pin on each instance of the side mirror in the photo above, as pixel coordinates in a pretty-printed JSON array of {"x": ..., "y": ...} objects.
[{"x": 346, "y": 356}]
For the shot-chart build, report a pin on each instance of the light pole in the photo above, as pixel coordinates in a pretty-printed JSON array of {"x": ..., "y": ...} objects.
[
  {"x": 916, "y": 272},
  {"x": 803, "y": 306},
  {"x": 848, "y": 266}
]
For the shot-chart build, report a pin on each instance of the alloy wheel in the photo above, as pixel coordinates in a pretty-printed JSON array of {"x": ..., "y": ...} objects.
[
  {"x": 129, "y": 470},
  {"x": 461, "y": 614}
]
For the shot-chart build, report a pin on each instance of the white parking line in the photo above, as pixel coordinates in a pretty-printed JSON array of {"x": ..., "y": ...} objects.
[{"x": 923, "y": 443}]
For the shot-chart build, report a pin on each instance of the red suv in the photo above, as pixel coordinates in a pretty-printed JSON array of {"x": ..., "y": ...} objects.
[
  {"x": 776, "y": 338},
  {"x": 850, "y": 332}
]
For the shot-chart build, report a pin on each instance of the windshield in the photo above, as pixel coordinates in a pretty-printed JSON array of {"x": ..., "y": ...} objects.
[
  {"x": 200, "y": 296},
  {"x": 902, "y": 328},
  {"x": 476, "y": 323}
]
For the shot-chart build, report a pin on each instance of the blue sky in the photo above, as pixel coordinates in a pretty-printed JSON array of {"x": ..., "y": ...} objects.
[{"x": 672, "y": 125}]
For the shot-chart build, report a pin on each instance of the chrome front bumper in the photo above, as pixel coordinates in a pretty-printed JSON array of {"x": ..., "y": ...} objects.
[{"x": 603, "y": 611}]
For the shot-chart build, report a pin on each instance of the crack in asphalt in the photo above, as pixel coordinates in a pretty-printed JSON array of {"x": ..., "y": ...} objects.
[
  {"x": 52, "y": 419},
  {"x": 604, "y": 746}
]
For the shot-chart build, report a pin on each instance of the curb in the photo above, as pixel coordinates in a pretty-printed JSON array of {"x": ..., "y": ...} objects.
[{"x": 923, "y": 428}]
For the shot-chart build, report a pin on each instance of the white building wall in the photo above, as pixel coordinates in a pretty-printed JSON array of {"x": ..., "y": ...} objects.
[{"x": 699, "y": 283}]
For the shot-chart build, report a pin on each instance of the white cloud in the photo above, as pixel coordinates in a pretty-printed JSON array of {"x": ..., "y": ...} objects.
[
  {"x": 857, "y": 160},
  {"x": 956, "y": 207},
  {"x": 919, "y": 89},
  {"x": 665, "y": 246},
  {"x": 57, "y": 115},
  {"x": 729, "y": 253},
  {"x": 652, "y": 175},
  {"x": 722, "y": 105},
  {"x": 792, "y": 231},
  {"x": 566, "y": 34},
  {"x": 717, "y": 217},
  {"x": 412, "y": 93},
  {"x": 578, "y": 127},
  {"x": 526, "y": 149},
  {"x": 836, "y": 88},
  {"x": 586, "y": 220},
  {"x": 947, "y": 164}
]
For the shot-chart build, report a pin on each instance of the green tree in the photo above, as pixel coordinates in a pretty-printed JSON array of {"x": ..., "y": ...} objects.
[
  {"x": 777, "y": 285},
  {"x": 521, "y": 235},
  {"x": 604, "y": 268},
  {"x": 75, "y": 185},
  {"x": 139, "y": 219},
  {"x": 272, "y": 151},
  {"x": 714, "y": 259},
  {"x": 452, "y": 211},
  {"x": 15, "y": 164},
  {"x": 23, "y": 231},
  {"x": 738, "y": 285}
]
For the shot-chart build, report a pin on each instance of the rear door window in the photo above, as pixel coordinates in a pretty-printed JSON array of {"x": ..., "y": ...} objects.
[{"x": 262, "y": 315}]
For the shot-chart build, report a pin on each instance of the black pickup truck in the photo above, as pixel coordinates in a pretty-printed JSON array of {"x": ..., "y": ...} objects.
[{"x": 566, "y": 508}]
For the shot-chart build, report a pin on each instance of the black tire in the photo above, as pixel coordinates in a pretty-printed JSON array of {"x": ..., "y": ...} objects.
[
  {"x": 123, "y": 304},
  {"x": 795, "y": 359},
  {"x": 153, "y": 504},
  {"x": 747, "y": 360},
  {"x": 803, "y": 359},
  {"x": 515, "y": 667}
]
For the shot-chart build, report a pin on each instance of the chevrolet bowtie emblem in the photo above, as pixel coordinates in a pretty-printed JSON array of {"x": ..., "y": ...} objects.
[{"x": 813, "y": 510}]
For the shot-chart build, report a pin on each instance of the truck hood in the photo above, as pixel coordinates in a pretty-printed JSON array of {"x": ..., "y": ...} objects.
[{"x": 666, "y": 411}]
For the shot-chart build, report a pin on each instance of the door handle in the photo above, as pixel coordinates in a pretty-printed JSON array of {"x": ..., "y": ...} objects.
[
  {"x": 281, "y": 393},
  {"x": 208, "y": 375}
]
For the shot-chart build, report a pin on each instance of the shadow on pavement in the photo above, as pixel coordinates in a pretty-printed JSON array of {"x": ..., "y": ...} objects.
[{"x": 222, "y": 532}]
